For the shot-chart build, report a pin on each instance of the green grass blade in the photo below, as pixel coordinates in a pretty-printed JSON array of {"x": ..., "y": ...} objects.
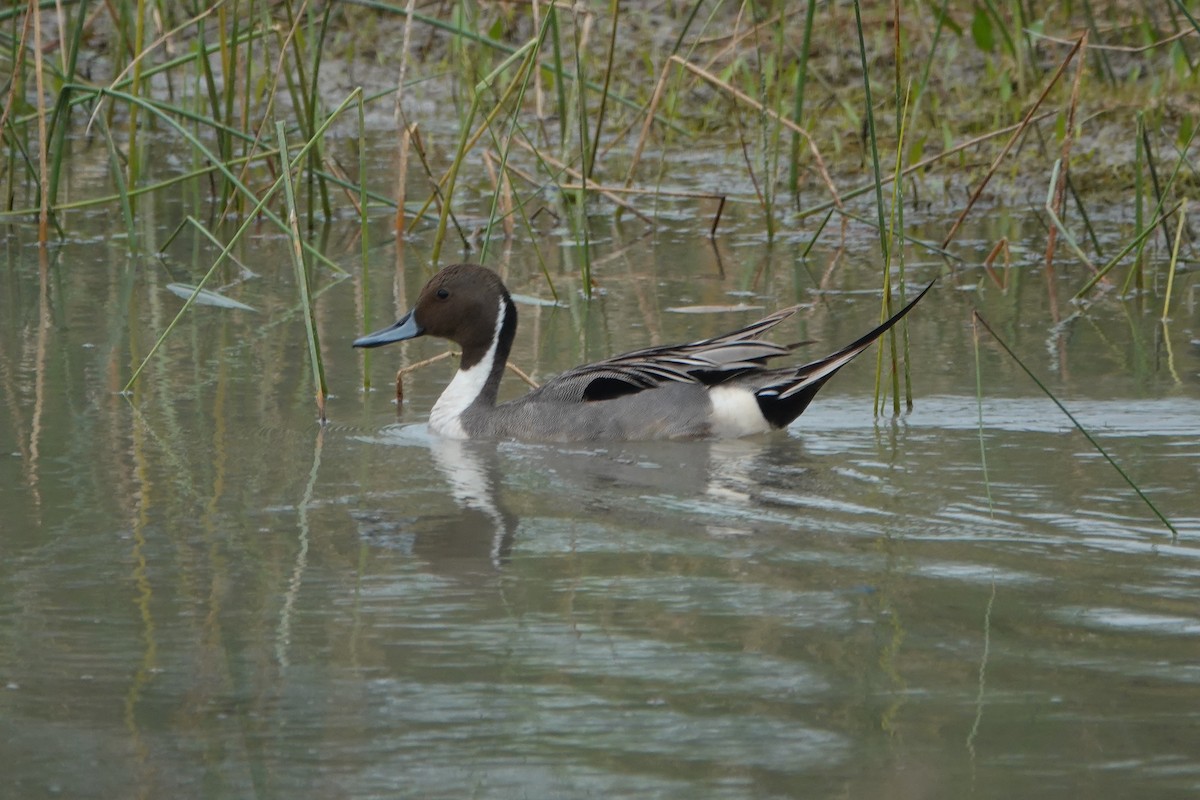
[
  {"x": 302, "y": 281},
  {"x": 1046, "y": 391},
  {"x": 862, "y": 52}
]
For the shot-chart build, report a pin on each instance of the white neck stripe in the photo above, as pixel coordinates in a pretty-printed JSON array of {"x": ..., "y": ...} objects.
[{"x": 465, "y": 388}]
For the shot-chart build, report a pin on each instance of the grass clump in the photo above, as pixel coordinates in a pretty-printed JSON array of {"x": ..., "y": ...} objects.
[{"x": 593, "y": 110}]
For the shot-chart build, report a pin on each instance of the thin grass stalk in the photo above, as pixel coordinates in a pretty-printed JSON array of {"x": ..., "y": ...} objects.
[
  {"x": 302, "y": 281},
  {"x": 302, "y": 89},
  {"x": 316, "y": 156},
  {"x": 862, "y": 52},
  {"x": 1188, "y": 14},
  {"x": 1161, "y": 194},
  {"x": 742, "y": 97},
  {"x": 1099, "y": 55},
  {"x": 931, "y": 247},
  {"x": 1137, "y": 242},
  {"x": 43, "y": 139},
  {"x": 224, "y": 169},
  {"x": 133, "y": 157},
  {"x": 1053, "y": 194},
  {"x": 405, "y": 146},
  {"x": 899, "y": 250},
  {"x": 650, "y": 111},
  {"x": 798, "y": 105},
  {"x": 816, "y": 235},
  {"x": 223, "y": 137},
  {"x": 493, "y": 44},
  {"x": 895, "y": 250},
  {"x": 250, "y": 220},
  {"x": 1139, "y": 189},
  {"x": 364, "y": 280},
  {"x": 559, "y": 75},
  {"x": 502, "y": 172},
  {"x": 145, "y": 188},
  {"x": 923, "y": 164},
  {"x": 937, "y": 35},
  {"x": 1158, "y": 190},
  {"x": 1046, "y": 391},
  {"x": 62, "y": 106},
  {"x": 539, "y": 95},
  {"x": 1020, "y": 129},
  {"x": 770, "y": 129},
  {"x": 126, "y": 202},
  {"x": 615, "y": 10},
  {"x": 400, "y": 120},
  {"x": 229, "y": 76},
  {"x": 466, "y": 140},
  {"x": 520, "y": 208},
  {"x": 581, "y": 216},
  {"x": 1083, "y": 215},
  {"x": 987, "y": 484},
  {"x": 1060, "y": 186},
  {"x": 451, "y": 179},
  {"x": 902, "y": 117},
  {"x": 1174, "y": 260},
  {"x": 16, "y": 57},
  {"x": 244, "y": 67},
  {"x": 1009, "y": 44}
]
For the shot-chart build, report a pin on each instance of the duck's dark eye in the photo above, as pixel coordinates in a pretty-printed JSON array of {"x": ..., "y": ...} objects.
[{"x": 442, "y": 294}]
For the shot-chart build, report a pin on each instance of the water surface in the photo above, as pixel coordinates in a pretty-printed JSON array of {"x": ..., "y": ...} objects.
[{"x": 204, "y": 593}]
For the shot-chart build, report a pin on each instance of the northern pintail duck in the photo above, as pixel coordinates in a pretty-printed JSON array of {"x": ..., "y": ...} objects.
[{"x": 718, "y": 387}]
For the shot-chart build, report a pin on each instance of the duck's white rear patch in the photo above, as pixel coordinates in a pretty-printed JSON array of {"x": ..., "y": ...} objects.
[
  {"x": 445, "y": 418},
  {"x": 735, "y": 412}
]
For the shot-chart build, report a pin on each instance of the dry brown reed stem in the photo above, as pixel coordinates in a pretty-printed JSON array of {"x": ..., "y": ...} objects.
[
  {"x": 401, "y": 121},
  {"x": 502, "y": 186},
  {"x": 470, "y": 143},
  {"x": 643, "y": 190},
  {"x": 404, "y": 146},
  {"x": 1060, "y": 190},
  {"x": 400, "y": 373},
  {"x": 651, "y": 111},
  {"x": 1025, "y": 122},
  {"x": 43, "y": 143},
  {"x": 577, "y": 176},
  {"x": 760, "y": 108},
  {"x": 414, "y": 367},
  {"x": 720, "y": 198},
  {"x": 885, "y": 180},
  {"x": 335, "y": 169},
  {"x": 520, "y": 373},
  {"x": 539, "y": 100},
  {"x": 738, "y": 36},
  {"x": 1117, "y": 48},
  {"x": 1001, "y": 249}
]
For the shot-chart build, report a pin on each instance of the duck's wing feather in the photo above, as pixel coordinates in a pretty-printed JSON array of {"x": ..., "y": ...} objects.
[{"x": 706, "y": 361}]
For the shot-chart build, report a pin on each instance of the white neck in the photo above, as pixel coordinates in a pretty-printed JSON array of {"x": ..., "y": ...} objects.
[{"x": 464, "y": 389}]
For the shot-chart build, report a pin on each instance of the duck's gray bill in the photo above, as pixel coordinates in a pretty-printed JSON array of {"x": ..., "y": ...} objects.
[{"x": 406, "y": 328}]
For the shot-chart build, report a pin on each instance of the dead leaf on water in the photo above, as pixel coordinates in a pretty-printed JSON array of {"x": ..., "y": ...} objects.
[
  {"x": 713, "y": 309},
  {"x": 207, "y": 298}
]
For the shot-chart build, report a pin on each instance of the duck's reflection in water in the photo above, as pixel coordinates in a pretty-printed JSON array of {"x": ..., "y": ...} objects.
[
  {"x": 625, "y": 485},
  {"x": 477, "y": 537}
]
